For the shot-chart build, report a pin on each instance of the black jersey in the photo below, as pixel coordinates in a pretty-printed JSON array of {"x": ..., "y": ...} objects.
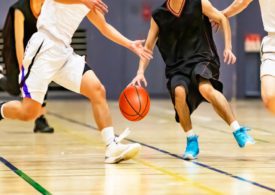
[
  {"x": 185, "y": 40},
  {"x": 187, "y": 47},
  {"x": 9, "y": 51}
]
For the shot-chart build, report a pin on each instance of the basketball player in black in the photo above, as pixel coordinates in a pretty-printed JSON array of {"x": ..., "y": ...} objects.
[
  {"x": 20, "y": 25},
  {"x": 183, "y": 34}
]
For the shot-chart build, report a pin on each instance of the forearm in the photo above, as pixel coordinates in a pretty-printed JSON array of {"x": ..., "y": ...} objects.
[
  {"x": 236, "y": 7},
  {"x": 111, "y": 33},
  {"x": 19, "y": 53},
  {"x": 227, "y": 33},
  {"x": 143, "y": 64},
  {"x": 70, "y": 1}
]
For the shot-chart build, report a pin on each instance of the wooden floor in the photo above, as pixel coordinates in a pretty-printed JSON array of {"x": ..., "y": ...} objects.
[{"x": 70, "y": 161}]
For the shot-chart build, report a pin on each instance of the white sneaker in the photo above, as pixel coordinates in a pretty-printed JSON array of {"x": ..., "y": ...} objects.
[{"x": 117, "y": 152}]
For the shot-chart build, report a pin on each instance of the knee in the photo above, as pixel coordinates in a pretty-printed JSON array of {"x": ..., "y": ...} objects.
[
  {"x": 206, "y": 90},
  {"x": 269, "y": 101},
  {"x": 98, "y": 92},
  {"x": 180, "y": 95}
]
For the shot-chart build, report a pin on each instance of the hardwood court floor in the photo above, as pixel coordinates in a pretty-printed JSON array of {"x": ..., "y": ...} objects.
[{"x": 70, "y": 161}]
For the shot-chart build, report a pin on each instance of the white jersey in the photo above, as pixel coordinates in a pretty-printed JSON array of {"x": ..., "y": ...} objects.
[
  {"x": 61, "y": 20},
  {"x": 268, "y": 14}
]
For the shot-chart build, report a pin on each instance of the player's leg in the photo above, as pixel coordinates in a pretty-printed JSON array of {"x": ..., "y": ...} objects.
[
  {"x": 192, "y": 146},
  {"x": 222, "y": 107},
  {"x": 78, "y": 77},
  {"x": 268, "y": 92},
  {"x": 41, "y": 124},
  {"x": 267, "y": 73},
  {"x": 92, "y": 88},
  {"x": 25, "y": 110}
]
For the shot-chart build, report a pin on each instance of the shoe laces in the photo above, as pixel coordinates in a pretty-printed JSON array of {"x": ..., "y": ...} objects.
[{"x": 123, "y": 135}]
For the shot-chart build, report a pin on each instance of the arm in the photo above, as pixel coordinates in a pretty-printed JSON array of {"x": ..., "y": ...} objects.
[
  {"x": 236, "y": 7},
  {"x": 19, "y": 36},
  {"x": 149, "y": 45},
  {"x": 89, "y": 3},
  {"x": 98, "y": 20},
  {"x": 218, "y": 17}
]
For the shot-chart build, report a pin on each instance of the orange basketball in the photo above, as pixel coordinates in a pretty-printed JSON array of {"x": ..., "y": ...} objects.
[{"x": 134, "y": 103}]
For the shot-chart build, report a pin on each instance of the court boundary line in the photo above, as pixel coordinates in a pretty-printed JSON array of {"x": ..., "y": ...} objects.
[
  {"x": 172, "y": 154},
  {"x": 25, "y": 177}
]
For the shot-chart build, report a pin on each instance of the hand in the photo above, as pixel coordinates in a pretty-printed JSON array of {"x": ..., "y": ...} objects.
[
  {"x": 229, "y": 57},
  {"x": 138, "y": 80},
  {"x": 216, "y": 26},
  {"x": 98, "y": 4},
  {"x": 143, "y": 53}
]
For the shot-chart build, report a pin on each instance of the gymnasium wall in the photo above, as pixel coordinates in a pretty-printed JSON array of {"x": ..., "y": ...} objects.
[{"x": 116, "y": 66}]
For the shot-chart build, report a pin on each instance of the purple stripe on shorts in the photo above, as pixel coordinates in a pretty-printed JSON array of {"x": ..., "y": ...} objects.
[{"x": 25, "y": 87}]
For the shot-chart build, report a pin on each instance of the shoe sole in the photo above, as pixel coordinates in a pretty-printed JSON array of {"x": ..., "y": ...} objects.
[
  {"x": 248, "y": 144},
  {"x": 189, "y": 157},
  {"x": 41, "y": 131},
  {"x": 130, "y": 153}
]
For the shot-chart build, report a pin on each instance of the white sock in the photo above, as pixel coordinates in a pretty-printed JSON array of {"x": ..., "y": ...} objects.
[
  {"x": 190, "y": 133},
  {"x": 2, "y": 111},
  {"x": 108, "y": 135},
  {"x": 235, "y": 125}
]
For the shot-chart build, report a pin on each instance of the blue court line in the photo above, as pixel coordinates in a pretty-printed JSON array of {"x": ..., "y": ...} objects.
[
  {"x": 173, "y": 155},
  {"x": 24, "y": 176}
]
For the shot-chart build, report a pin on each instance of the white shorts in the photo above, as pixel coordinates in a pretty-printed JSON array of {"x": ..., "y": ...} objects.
[
  {"x": 47, "y": 60},
  {"x": 268, "y": 56}
]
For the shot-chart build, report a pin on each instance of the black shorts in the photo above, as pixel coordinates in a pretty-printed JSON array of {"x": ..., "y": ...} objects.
[{"x": 191, "y": 84}]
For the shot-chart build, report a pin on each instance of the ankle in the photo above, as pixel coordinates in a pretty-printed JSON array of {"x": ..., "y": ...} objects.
[
  {"x": 235, "y": 126},
  {"x": 190, "y": 133},
  {"x": 108, "y": 136}
]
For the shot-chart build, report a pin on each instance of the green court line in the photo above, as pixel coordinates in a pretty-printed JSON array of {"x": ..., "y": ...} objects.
[{"x": 24, "y": 176}]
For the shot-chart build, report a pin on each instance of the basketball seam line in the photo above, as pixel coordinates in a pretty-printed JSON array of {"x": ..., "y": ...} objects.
[{"x": 131, "y": 105}]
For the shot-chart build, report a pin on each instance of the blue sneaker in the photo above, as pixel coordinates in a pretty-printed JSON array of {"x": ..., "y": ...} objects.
[
  {"x": 192, "y": 149},
  {"x": 242, "y": 137}
]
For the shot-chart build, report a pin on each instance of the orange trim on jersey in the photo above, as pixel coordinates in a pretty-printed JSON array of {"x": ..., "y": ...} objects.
[{"x": 174, "y": 12}]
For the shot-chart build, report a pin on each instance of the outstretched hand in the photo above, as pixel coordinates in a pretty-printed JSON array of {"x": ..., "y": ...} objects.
[
  {"x": 138, "y": 48},
  {"x": 138, "y": 80},
  {"x": 98, "y": 4},
  {"x": 229, "y": 57}
]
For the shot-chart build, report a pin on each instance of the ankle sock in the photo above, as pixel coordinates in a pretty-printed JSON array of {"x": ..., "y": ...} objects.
[
  {"x": 190, "y": 133},
  {"x": 235, "y": 126},
  {"x": 108, "y": 135}
]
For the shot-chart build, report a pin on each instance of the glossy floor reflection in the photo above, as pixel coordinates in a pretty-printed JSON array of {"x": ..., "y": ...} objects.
[{"x": 70, "y": 161}]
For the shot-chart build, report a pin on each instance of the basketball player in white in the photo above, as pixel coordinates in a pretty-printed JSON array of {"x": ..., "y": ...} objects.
[
  {"x": 268, "y": 47},
  {"x": 49, "y": 57}
]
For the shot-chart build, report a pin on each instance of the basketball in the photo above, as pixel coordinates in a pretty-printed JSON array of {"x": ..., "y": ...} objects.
[{"x": 134, "y": 103}]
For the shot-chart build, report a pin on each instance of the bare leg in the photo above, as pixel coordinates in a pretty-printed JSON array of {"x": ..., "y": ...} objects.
[
  {"x": 182, "y": 108},
  {"x": 116, "y": 152},
  {"x": 26, "y": 110},
  {"x": 268, "y": 92},
  {"x": 92, "y": 88},
  {"x": 217, "y": 100}
]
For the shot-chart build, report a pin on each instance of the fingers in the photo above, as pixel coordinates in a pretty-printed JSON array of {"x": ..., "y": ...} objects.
[
  {"x": 145, "y": 55},
  {"x": 97, "y": 4},
  {"x": 138, "y": 81},
  {"x": 101, "y": 6},
  {"x": 145, "y": 82},
  {"x": 229, "y": 58}
]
